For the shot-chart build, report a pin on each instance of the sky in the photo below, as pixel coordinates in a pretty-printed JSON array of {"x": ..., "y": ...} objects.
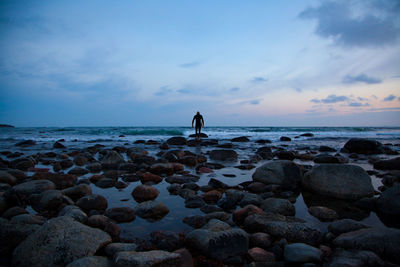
[{"x": 240, "y": 63}]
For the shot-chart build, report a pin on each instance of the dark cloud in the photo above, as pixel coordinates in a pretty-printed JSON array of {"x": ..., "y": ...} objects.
[
  {"x": 358, "y": 104},
  {"x": 389, "y": 98},
  {"x": 356, "y": 23},
  {"x": 315, "y": 100},
  {"x": 185, "y": 91},
  {"x": 259, "y": 80},
  {"x": 334, "y": 99},
  {"x": 361, "y": 78},
  {"x": 251, "y": 102},
  {"x": 190, "y": 64},
  {"x": 234, "y": 89}
]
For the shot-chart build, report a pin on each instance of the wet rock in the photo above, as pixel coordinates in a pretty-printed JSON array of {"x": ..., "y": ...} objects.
[
  {"x": 364, "y": 146},
  {"x": 210, "y": 208},
  {"x": 195, "y": 221},
  {"x": 240, "y": 139},
  {"x": 7, "y": 178},
  {"x": 151, "y": 210},
  {"x": 278, "y": 205},
  {"x": 191, "y": 186},
  {"x": 257, "y": 187},
  {"x": 177, "y": 141},
  {"x": 194, "y": 202},
  {"x": 20, "y": 193},
  {"x": 14, "y": 211},
  {"x": 144, "y": 192},
  {"x": 111, "y": 160},
  {"x": 166, "y": 168},
  {"x": 4, "y": 187},
  {"x": 262, "y": 240},
  {"x": 78, "y": 191},
  {"x": 58, "y": 145},
  {"x": 174, "y": 189},
  {"x": 106, "y": 224},
  {"x": 281, "y": 172},
  {"x": 42, "y": 248},
  {"x": 326, "y": 158},
  {"x": 257, "y": 254},
  {"x": 49, "y": 200},
  {"x": 92, "y": 202},
  {"x": 326, "y": 149},
  {"x": 240, "y": 215},
  {"x": 94, "y": 167},
  {"x": 345, "y": 225},
  {"x": 214, "y": 183},
  {"x": 61, "y": 180},
  {"x": 80, "y": 160},
  {"x": 285, "y": 139},
  {"x": 250, "y": 198},
  {"x": 301, "y": 253},
  {"x": 28, "y": 219},
  {"x": 91, "y": 261},
  {"x": 223, "y": 155},
  {"x": 105, "y": 183},
  {"x": 212, "y": 196},
  {"x": 74, "y": 212},
  {"x": 121, "y": 214},
  {"x": 147, "y": 258},
  {"x": 150, "y": 178},
  {"x": 66, "y": 163},
  {"x": 166, "y": 240},
  {"x": 26, "y": 143},
  {"x": 20, "y": 175},
  {"x": 181, "y": 179},
  {"x": 113, "y": 248},
  {"x": 389, "y": 201},
  {"x": 341, "y": 181},
  {"x": 265, "y": 152},
  {"x": 323, "y": 213},
  {"x": 285, "y": 155},
  {"x": 78, "y": 171},
  {"x": 355, "y": 258},
  {"x": 390, "y": 164},
  {"x": 385, "y": 242},
  {"x": 213, "y": 244}
]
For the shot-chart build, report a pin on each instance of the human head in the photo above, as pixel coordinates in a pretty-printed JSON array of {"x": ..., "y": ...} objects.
[{"x": 198, "y": 113}]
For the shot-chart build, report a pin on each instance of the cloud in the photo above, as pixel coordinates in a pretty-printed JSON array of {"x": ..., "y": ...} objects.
[
  {"x": 190, "y": 64},
  {"x": 398, "y": 99},
  {"x": 315, "y": 100},
  {"x": 259, "y": 80},
  {"x": 356, "y": 23},
  {"x": 361, "y": 78},
  {"x": 163, "y": 91},
  {"x": 334, "y": 99},
  {"x": 389, "y": 98},
  {"x": 251, "y": 102},
  {"x": 358, "y": 104},
  {"x": 234, "y": 89},
  {"x": 185, "y": 91}
]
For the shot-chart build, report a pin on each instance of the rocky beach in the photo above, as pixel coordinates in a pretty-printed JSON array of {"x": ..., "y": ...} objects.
[{"x": 238, "y": 197}]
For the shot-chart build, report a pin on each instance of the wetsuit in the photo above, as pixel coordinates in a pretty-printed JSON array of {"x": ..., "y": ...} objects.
[{"x": 199, "y": 123}]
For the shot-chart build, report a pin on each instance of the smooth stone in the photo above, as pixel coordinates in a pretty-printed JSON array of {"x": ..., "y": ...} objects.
[
  {"x": 113, "y": 248},
  {"x": 240, "y": 139},
  {"x": 151, "y": 210},
  {"x": 24, "y": 190},
  {"x": 355, "y": 258},
  {"x": 250, "y": 198},
  {"x": 121, "y": 214},
  {"x": 42, "y": 248},
  {"x": 345, "y": 225},
  {"x": 147, "y": 258},
  {"x": 78, "y": 191},
  {"x": 194, "y": 202},
  {"x": 223, "y": 155},
  {"x": 278, "y": 205},
  {"x": 14, "y": 211},
  {"x": 105, "y": 183},
  {"x": 257, "y": 254},
  {"x": 74, "y": 212},
  {"x": 92, "y": 202},
  {"x": 181, "y": 179},
  {"x": 166, "y": 168},
  {"x": 78, "y": 171},
  {"x": 217, "y": 184},
  {"x": 143, "y": 193},
  {"x": 262, "y": 240},
  {"x": 265, "y": 152},
  {"x": 280, "y": 172},
  {"x": 177, "y": 141},
  {"x": 363, "y": 146},
  {"x": 343, "y": 181},
  {"x": 300, "y": 252},
  {"x": 7, "y": 178},
  {"x": 390, "y": 164},
  {"x": 166, "y": 240},
  {"x": 28, "y": 219},
  {"x": 389, "y": 201},
  {"x": 323, "y": 213},
  {"x": 91, "y": 261}
]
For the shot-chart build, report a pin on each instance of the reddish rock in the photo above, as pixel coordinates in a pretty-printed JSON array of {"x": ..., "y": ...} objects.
[
  {"x": 61, "y": 180},
  {"x": 186, "y": 258},
  {"x": 240, "y": 215},
  {"x": 204, "y": 170},
  {"x": 166, "y": 168},
  {"x": 95, "y": 178},
  {"x": 92, "y": 202},
  {"x": 144, "y": 192},
  {"x": 260, "y": 255},
  {"x": 149, "y": 177},
  {"x": 212, "y": 196}
]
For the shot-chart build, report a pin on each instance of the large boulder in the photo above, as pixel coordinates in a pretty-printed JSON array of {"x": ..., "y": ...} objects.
[
  {"x": 213, "y": 242},
  {"x": 151, "y": 210},
  {"x": 389, "y": 201},
  {"x": 364, "y": 146},
  {"x": 61, "y": 180},
  {"x": 177, "y": 141},
  {"x": 21, "y": 192},
  {"x": 301, "y": 253},
  {"x": 121, "y": 214},
  {"x": 92, "y": 202},
  {"x": 278, "y": 205},
  {"x": 389, "y": 164},
  {"x": 343, "y": 181},
  {"x": 58, "y": 242},
  {"x": 345, "y": 225},
  {"x": 355, "y": 258},
  {"x": 144, "y": 193},
  {"x": 280, "y": 172},
  {"x": 223, "y": 155},
  {"x": 111, "y": 160},
  {"x": 385, "y": 242},
  {"x": 91, "y": 261},
  {"x": 7, "y": 178},
  {"x": 147, "y": 258}
]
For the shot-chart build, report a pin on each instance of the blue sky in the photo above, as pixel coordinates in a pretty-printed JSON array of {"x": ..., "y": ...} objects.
[{"x": 148, "y": 63}]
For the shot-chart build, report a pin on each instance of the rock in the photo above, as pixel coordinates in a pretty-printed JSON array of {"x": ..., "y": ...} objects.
[
  {"x": 186, "y": 258},
  {"x": 285, "y": 155},
  {"x": 121, "y": 214},
  {"x": 26, "y": 143},
  {"x": 150, "y": 178},
  {"x": 240, "y": 139},
  {"x": 23, "y": 164},
  {"x": 80, "y": 160},
  {"x": 61, "y": 180},
  {"x": 12, "y": 234},
  {"x": 285, "y": 139},
  {"x": 223, "y": 155},
  {"x": 345, "y": 225},
  {"x": 144, "y": 192},
  {"x": 300, "y": 252},
  {"x": 203, "y": 135},
  {"x": 7, "y": 178},
  {"x": 323, "y": 213},
  {"x": 28, "y": 219},
  {"x": 214, "y": 183},
  {"x": 20, "y": 175},
  {"x": 14, "y": 211},
  {"x": 58, "y": 242},
  {"x": 49, "y": 200},
  {"x": 166, "y": 168},
  {"x": 260, "y": 255},
  {"x": 166, "y": 240},
  {"x": 111, "y": 160},
  {"x": 265, "y": 152},
  {"x": 250, "y": 198},
  {"x": 74, "y": 212},
  {"x": 214, "y": 244},
  {"x": 181, "y": 179},
  {"x": 262, "y": 240},
  {"x": 385, "y": 242},
  {"x": 113, "y": 248},
  {"x": 355, "y": 258},
  {"x": 257, "y": 187},
  {"x": 94, "y": 167},
  {"x": 195, "y": 221},
  {"x": 364, "y": 146},
  {"x": 147, "y": 258},
  {"x": 66, "y": 163},
  {"x": 390, "y": 164},
  {"x": 278, "y": 205},
  {"x": 91, "y": 261},
  {"x": 78, "y": 171},
  {"x": 326, "y": 149},
  {"x": 280, "y": 172},
  {"x": 389, "y": 201},
  {"x": 92, "y": 202},
  {"x": 194, "y": 202},
  {"x": 177, "y": 141},
  {"x": 326, "y": 158},
  {"x": 58, "y": 145},
  {"x": 212, "y": 196},
  {"x": 78, "y": 191},
  {"x": 105, "y": 183},
  {"x": 151, "y": 210},
  {"x": 20, "y": 193},
  {"x": 343, "y": 181}
]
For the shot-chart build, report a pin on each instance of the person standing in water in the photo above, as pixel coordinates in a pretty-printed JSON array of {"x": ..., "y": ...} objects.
[{"x": 199, "y": 124}]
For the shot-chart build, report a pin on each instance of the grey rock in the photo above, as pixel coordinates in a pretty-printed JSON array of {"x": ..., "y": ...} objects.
[
  {"x": 389, "y": 201},
  {"x": 363, "y": 146},
  {"x": 151, "y": 210},
  {"x": 147, "y": 258},
  {"x": 78, "y": 191},
  {"x": 113, "y": 248},
  {"x": 92, "y": 202},
  {"x": 280, "y": 172},
  {"x": 91, "y": 261},
  {"x": 121, "y": 214},
  {"x": 223, "y": 155},
  {"x": 345, "y": 225},
  {"x": 22, "y": 191},
  {"x": 300, "y": 252},
  {"x": 250, "y": 198},
  {"x": 354, "y": 258},
  {"x": 323, "y": 213},
  {"x": 74, "y": 212},
  {"x": 7, "y": 178},
  {"x": 389, "y": 164},
  {"x": 59, "y": 242},
  {"x": 28, "y": 219},
  {"x": 343, "y": 181},
  {"x": 278, "y": 205}
]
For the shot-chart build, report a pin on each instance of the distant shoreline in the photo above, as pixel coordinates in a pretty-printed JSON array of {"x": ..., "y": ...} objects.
[{"x": 6, "y": 126}]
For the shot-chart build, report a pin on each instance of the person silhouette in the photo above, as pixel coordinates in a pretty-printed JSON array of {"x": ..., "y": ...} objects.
[{"x": 199, "y": 124}]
